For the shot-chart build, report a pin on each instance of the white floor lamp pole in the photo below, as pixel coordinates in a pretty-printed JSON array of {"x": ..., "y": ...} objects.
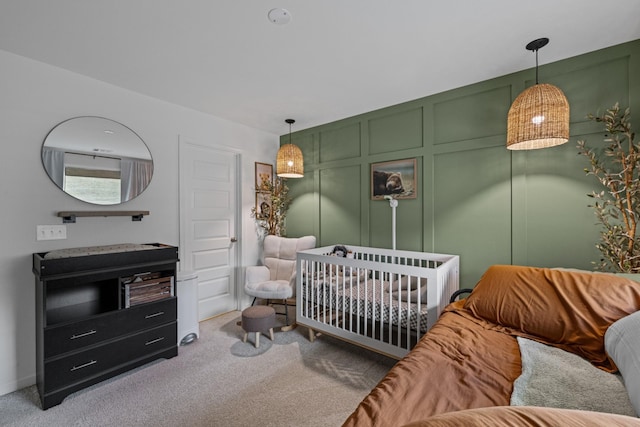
[{"x": 394, "y": 204}]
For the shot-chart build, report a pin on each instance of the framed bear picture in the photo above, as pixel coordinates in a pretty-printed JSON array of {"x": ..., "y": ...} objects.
[
  {"x": 264, "y": 173},
  {"x": 397, "y": 178}
]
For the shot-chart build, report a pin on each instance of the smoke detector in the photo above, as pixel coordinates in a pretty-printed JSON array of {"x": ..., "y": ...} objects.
[{"x": 279, "y": 16}]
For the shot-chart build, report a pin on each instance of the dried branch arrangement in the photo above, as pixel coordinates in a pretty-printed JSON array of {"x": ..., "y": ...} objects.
[
  {"x": 617, "y": 207},
  {"x": 271, "y": 218}
]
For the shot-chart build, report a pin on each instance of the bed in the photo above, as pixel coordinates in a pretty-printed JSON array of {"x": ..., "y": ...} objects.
[
  {"x": 466, "y": 370},
  {"x": 381, "y": 299}
]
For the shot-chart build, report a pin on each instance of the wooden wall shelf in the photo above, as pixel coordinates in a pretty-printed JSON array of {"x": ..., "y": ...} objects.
[{"x": 70, "y": 216}]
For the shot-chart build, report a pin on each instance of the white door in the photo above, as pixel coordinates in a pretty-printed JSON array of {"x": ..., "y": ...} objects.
[{"x": 208, "y": 210}]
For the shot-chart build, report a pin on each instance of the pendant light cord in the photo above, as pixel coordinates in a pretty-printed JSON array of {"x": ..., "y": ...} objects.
[
  {"x": 289, "y": 122},
  {"x": 534, "y": 46},
  {"x": 536, "y": 72}
]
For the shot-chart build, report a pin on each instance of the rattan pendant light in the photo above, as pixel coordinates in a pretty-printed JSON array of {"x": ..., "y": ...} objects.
[
  {"x": 289, "y": 161},
  {"x": 539, "y": 116}
]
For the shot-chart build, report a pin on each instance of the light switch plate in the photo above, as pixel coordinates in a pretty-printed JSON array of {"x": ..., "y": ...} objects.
[{"x": 51, "y": 232}]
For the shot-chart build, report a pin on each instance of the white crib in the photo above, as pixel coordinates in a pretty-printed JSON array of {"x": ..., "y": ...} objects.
[{"x": 381, "y": 299}]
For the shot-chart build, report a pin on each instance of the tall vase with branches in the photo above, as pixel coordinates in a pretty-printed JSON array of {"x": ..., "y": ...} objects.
[
  {"x": 272, "y": 220},
  {"x": 618, "y": 206}
]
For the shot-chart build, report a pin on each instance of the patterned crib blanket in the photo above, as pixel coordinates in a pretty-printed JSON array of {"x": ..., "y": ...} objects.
[{"x": 366, "y": 298}]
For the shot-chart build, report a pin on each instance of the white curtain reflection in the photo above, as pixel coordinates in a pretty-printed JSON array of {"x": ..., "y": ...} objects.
[
  {"x": 53, "y": 161},
  {"x": 135, "y": 175}
]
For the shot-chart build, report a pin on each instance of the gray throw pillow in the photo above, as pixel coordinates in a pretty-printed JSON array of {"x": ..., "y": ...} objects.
[
  {"x": 409, "y": 287},
  {"x": 622, "y": 342},
  {"x": 413, "y": 295}
]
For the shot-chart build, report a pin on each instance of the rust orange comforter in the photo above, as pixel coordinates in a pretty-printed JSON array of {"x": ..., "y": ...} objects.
[
  {"x": 470, "y": 358},
  {"x": 526, "y": 416},
  {"x": 440, "y": 375}
]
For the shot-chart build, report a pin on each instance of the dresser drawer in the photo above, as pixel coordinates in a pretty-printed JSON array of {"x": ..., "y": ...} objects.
[
  {"x": 98, "y": 360},
  {"x": 64, "y": 338}
]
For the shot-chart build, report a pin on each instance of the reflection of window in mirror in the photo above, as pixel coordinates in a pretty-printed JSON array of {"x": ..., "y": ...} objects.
[
  {"x": 94, "y": 179},
  {"x": 108, "y": 155}
]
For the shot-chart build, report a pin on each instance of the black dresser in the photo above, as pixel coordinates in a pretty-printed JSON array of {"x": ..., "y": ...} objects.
[{"x": 101, "y": 311}]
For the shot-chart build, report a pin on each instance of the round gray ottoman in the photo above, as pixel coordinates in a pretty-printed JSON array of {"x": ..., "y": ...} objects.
[{"x": 258, "y": 318}]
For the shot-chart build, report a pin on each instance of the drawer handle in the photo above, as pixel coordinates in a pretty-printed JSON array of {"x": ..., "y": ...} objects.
[
  {"x": 154, "y": 341},
  {"x": 75, "y": 368},
  {"x": 149, "y": 316},
  {"x": 75, "y": 337}
]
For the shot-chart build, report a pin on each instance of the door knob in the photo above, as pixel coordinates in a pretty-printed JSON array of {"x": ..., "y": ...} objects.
[{"x": 233, "y": 240}]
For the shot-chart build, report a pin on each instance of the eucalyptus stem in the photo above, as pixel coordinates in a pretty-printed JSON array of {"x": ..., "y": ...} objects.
[{"x": 618, "y": 206}]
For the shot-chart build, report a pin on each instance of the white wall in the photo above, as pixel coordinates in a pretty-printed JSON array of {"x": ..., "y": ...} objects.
[{"x": 34, "y": 98}]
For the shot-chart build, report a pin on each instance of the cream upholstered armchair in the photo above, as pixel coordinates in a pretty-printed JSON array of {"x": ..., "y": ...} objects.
[{"x": 276, "y": 278}]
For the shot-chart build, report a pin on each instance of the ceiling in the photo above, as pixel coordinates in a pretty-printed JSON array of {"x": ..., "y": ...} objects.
[{"x": 335, "y": 59}]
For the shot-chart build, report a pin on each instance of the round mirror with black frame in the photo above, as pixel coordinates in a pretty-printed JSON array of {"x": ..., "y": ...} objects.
[{"x": 97, "y": 160}]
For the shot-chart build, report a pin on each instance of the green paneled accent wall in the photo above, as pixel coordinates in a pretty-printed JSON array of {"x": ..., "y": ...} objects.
[
  {"x": 471, "y": 202},
  {"x": 479, "y": 115},
  {"x": 303, "y": 216},
  {"x": 339, "y": 205},
  {"x": 475, "y": 198},
  {"x": 332, "y": 143},
  {"x": 396, "y": 131},
  {"x": 583, "y": 95},
  {"x": 558, "y": 227}
]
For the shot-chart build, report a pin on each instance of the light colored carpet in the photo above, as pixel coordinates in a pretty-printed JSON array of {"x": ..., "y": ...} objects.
[{"x": 221, "y": 381}]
